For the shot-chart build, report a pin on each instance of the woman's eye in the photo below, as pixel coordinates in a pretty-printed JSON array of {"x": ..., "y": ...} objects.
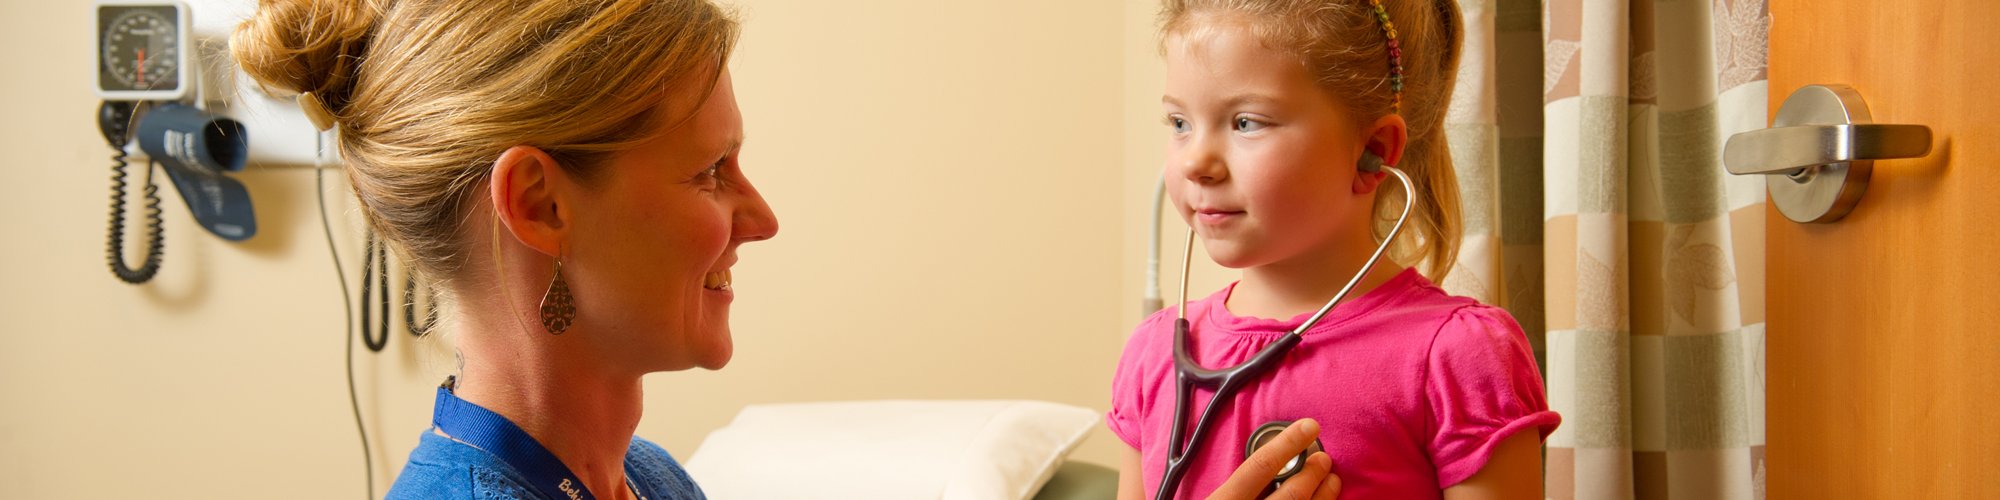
[
  {"x": 713, "y": 174},
  {"x": 1245, "y": 124},
  {"x": 1180, "y": 126}
]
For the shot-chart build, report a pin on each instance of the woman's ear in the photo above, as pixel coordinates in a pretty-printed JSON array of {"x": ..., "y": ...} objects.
[
  {"x": 1385, "y": 139},
  {"x": 523, "y": 185}
]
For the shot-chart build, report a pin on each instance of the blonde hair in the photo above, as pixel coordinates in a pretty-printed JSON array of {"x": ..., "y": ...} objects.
[
  {"x": 1341, "y": 44},
  {"x": 428, "y": 93}
]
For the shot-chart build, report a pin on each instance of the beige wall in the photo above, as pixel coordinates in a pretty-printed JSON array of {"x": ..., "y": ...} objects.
[{"x": 962, "y": 187}]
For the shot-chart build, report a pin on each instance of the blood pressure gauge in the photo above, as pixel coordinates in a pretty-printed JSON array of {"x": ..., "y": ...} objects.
[{"x": 142, "y": 50}]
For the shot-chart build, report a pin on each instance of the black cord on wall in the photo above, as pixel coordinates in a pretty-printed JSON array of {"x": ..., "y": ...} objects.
[{"x": 353, "y": 398}]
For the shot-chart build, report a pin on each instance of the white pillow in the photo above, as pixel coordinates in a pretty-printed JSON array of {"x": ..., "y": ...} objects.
[{"x": 889, "y": 450}]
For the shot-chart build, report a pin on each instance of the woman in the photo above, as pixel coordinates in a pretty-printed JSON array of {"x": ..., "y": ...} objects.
[{"x": 566, "y": 172}]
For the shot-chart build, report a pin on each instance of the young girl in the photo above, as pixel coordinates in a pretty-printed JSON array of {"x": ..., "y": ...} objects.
[{"x": 1273, "y": 104}]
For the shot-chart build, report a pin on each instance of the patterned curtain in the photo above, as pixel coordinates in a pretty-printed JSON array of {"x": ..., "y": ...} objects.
[{"x": 1597, "y": 211}]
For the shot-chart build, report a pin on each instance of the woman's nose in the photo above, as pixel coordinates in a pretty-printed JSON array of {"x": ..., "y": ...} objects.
[{"x": 754, "y": 220}]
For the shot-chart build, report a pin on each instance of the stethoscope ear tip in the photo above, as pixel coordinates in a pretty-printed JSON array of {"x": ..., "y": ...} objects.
[{"x": 1370, "y": 163}]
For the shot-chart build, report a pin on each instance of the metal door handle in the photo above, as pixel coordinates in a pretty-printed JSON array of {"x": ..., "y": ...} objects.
[
  {"x": 1822, "y": 146},
  {"x": 1791, "y": 150}
]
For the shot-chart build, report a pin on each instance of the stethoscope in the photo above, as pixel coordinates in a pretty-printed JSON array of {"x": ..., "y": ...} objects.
[{"x": 1188, "y": 374}]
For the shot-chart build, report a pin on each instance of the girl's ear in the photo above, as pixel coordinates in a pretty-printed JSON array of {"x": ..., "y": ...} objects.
[{"x": 1385, "y": 139}]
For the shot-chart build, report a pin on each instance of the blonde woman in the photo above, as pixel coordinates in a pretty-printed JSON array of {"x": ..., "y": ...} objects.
[{"x": 567, "y": 172}]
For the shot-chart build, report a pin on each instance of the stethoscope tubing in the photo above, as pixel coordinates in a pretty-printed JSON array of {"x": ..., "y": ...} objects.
[{"x": 1188, "y": 373}]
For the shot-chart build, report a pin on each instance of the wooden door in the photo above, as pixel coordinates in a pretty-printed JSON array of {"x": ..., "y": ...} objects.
[{"x": 1884, "y": 340}]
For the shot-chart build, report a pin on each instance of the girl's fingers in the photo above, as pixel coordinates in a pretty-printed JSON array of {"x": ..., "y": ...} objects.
[
  {"x": 1307, "y": 483},
  {"x": 1257, "y": 472},
  {"x": 1330, "y": 489}
]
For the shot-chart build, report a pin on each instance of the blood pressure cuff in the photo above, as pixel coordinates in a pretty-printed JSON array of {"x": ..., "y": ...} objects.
[{"x": 197, "y": 148}]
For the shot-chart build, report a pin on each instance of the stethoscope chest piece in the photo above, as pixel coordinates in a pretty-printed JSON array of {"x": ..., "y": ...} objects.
[{"x": 1270, "y": 430}]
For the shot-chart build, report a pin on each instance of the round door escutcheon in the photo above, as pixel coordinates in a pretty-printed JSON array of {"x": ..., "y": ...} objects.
[{"x": 1820, "y": 152}]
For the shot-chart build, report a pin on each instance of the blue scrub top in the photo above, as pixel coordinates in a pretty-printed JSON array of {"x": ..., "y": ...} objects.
[{"x": 444, "y": 468}]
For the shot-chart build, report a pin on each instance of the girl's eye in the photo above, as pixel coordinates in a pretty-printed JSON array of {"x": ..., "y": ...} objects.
[
  {"x": 1180, "y": 126},
  {"x": 1245, "y": 124}
]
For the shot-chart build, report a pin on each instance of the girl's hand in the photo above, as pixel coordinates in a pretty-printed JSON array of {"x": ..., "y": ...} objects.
[{"x": 1316, "y": 482}]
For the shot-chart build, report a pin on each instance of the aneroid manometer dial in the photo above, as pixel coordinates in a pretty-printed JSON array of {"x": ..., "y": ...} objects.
[{"x": 142, "y": 50}]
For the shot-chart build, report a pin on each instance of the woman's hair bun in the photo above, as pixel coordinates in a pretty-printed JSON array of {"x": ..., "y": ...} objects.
[{"x": 306, "y": 45}]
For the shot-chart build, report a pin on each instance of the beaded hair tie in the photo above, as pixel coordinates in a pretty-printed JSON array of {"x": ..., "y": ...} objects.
[{"x": 1395, "y": 57}]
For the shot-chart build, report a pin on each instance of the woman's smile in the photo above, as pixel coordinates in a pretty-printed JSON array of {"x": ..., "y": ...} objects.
[{"x": 717, "y": 282}]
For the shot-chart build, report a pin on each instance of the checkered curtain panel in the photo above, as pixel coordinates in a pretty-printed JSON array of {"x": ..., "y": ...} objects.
[{"x": 1588, "y": 140}]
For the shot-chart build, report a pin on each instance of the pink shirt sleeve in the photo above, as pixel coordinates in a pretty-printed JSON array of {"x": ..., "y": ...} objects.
[
  {"x": 1483, "y": 386},
  {"x": 1129, "y": 399}
]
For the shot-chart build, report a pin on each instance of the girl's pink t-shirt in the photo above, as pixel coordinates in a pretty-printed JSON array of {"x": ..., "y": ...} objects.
[{"x": 1413, "y": 389}]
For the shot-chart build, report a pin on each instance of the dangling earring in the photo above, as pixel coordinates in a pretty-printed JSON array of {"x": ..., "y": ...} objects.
[{"x": 558, "y": 306}]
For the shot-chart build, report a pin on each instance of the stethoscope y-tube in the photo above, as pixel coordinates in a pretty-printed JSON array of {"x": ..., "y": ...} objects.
[{"x": 1225, "y": 381}]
